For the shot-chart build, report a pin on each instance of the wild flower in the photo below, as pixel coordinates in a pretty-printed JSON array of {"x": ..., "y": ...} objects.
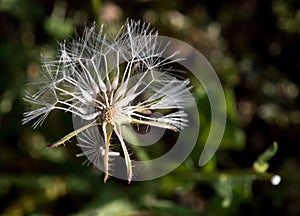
[{"x": 109, "y": 81}]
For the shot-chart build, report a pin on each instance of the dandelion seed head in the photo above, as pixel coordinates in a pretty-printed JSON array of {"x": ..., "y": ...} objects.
[{"x": 111, "y": 80}]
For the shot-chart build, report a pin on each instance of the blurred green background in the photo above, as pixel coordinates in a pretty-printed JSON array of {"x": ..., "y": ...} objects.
[{"x": 253, "y": 46}]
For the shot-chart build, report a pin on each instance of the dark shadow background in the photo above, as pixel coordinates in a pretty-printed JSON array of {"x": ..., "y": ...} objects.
[{"x": 253, "y": 46}]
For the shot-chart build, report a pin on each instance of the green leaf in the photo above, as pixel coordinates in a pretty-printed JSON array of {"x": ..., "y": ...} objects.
[{"x": 261, "y": 165}]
